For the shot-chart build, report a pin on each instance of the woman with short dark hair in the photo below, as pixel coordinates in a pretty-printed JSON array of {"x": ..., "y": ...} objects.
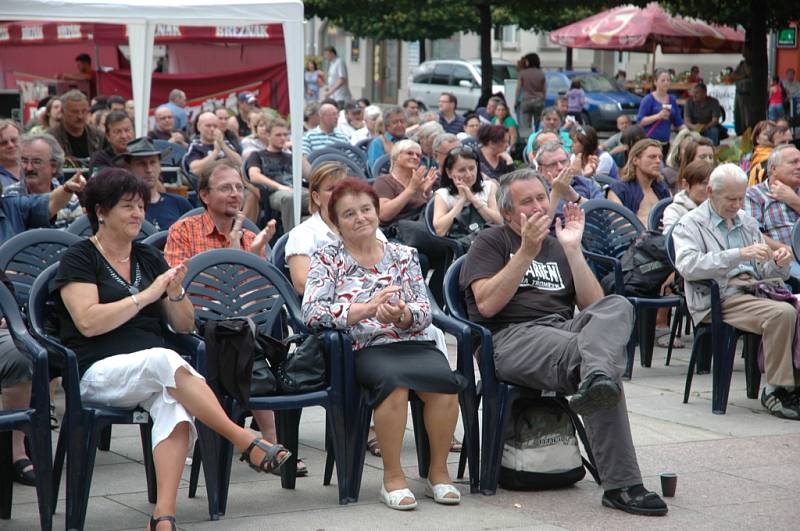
[{"x": 493, "y": 153}]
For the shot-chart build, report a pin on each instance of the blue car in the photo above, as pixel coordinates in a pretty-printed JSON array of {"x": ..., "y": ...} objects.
[{"x": 604, "y": 101}]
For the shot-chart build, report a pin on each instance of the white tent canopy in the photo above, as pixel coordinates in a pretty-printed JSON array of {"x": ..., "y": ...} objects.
[{"x": 141, "y": 17}]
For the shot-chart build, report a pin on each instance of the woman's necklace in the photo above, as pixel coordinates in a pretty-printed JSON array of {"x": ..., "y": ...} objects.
[{"x": 100, "y": 246}]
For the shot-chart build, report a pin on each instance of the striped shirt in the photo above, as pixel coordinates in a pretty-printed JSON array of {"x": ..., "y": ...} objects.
[
  {"x": 195, "y": 234},
  {"x": 775, "y": 218},
  {"x": 317, "y": 139}
]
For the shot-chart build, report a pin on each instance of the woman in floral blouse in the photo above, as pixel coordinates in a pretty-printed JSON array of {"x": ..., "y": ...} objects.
[{"x": 375, "y": 291}]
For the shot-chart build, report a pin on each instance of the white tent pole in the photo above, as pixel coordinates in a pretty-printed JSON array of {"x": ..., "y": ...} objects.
[
  {"x": 293, "y": 42},
  {"x": 140, "y": 41}
]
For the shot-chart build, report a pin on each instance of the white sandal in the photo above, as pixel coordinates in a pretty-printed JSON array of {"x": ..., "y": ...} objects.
[
  {"x": 392, "y": 499},
  {"x": 440, "y": 491}
]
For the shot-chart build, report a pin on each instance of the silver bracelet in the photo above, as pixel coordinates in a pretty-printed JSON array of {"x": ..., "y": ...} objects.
[
  {"x": 179, "y": 298},
  {"x": 136, "y": 302}
]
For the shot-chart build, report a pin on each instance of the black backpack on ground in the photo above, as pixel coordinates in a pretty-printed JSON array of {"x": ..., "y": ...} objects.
[
  {"x": 645, "y": 266},
  {"x": 541, "y": 450}
]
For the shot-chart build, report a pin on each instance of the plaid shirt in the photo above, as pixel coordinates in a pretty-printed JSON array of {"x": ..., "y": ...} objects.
[
  {"x": 775, "y": 219},
  {"x": 195, "y": 234}
]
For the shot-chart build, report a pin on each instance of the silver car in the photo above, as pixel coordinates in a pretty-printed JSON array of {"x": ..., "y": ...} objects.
[{"x": 460, "y": 77}]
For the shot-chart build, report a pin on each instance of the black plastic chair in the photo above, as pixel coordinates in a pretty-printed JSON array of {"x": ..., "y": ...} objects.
[
  {"x": 381, "y": 165},
  {"x": 720, "y": 339},
  {"x": 610, "y": 229},
  {"x": 657, "y": 213},
  {"x": 278, "y": 256},
  {"x": 455, "y": 247},
  {"x": 83, "y": 228},
  {"x": 226, "y": 283},
  {"x": 247, "y": 224},
  {"x": 355, "y": 154},
  {"x": 29, "y": 253},
  {"x": 157, "y": 240},
  {"x": 329, "y": 154},
  {"x": 499, "y": 396},
  {"x": 84, "y": 422},
  {"x": 175, "y": 154},
  {"x": 795, "y": 240},
  {"x": 363, "y": 145},
  {"x": 34, "y": 420}
]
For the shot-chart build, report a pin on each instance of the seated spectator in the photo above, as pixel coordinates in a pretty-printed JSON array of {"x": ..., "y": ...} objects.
[
  {"x": 78, "y": 139},
  {"x": 775, "y": 203},
  {"x": 760, "y": 136},
  {"x": 630, "y": 135},
  {"x": 229, "y": 126},
  {"x": 551, "y": 121},
  {"x": 442, "y": 144},
  {"x": 783, "y": 133},
  {"x": 585, "y": 147},
  {"x": 612, "y": 144},
  {"x": 119, "y": 131},
  {"x": 469, "y": 138},
  {"x": 694, "y": 190},
  {"x": 493, "y": 153},
  {"x": 354, "y": 120},
  {"x": 702, "y": 113},
  {"x": 272, "y": 169},
  {"x": 113, "y": 319},
  {"x": 717, "y": 241},
  {"x": 403, "y": 194},
  {"x": 486, "y": 114},
  {"x": 165, "y": 128},
  {"x": 466, "y": 202},
  {"x": 390, "y": 329},
  {"x": 51, "y": 117},
  {"x": 209, "y": 147},
  {"x": 411, "y": 107},
  {"x": 16, "y": 372},
  {"x": 565, "y": 181},
  {"x": 41, "y": 161},
  {"x": 10, "y": 168},
  {"x": 448, "y": 119},
  {"x": 641, "y": 185},
  {"x": 245, "y": 104},
  {"x": 675, "y": 156},
  {"x": 116, "y": 103},
  {"x": 372, "y": 125},
  {"x": 177, "y": 104},
  {"x": 144, "y": 161},
  {"x": 310, "y": 116},
  {"x": 322, "y": 135},
  {"x": 424, "y": 136},
  {"x": 394, "y": 125},
  {"x": 502, "y": 116},
  {"x": 258, "y": 139},
  {"x": 523, "y": 284}
]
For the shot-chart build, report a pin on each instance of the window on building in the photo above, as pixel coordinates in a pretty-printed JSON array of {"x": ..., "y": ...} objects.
[{"x": 510, "y": 37}]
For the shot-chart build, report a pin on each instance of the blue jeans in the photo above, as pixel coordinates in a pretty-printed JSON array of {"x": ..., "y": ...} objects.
[
  {"x": 775, "y": 112},
  {"x": 712, "y": 133}
]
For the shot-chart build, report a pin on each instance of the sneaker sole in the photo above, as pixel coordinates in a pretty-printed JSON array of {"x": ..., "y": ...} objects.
[
  {"x": 638, "y": 511},
  {"x": 603, "y": 395}
]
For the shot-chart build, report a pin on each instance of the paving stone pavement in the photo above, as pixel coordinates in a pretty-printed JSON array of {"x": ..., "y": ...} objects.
[{"x": 735, "y": 471}]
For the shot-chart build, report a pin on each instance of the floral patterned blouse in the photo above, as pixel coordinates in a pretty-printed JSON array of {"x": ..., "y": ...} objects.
[{"x": 336, "y": 281}]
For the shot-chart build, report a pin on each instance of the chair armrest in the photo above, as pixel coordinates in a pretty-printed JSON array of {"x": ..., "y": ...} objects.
[
  {"x": 463, "y": 335},
  {"x": 610, "y": 263}
]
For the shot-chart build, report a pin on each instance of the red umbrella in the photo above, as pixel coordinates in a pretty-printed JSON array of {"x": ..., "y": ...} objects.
[{"x": 637, "y": 29}]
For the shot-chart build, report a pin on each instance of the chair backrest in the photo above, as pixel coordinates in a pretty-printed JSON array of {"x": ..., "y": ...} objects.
[
  {"x": 359, "y": 156},
  {"x": 83, "y": 228},
  {"x": 24, "y": 256},
  {"x": 381, "y": 165},
  {"x": 328, "y": 154},
  {"x": 278, "y": 256},
  {"x": 671, "y": 246},
  {"x": 247, "y": 223},
  {"x": 226, "y": 283},
  {"x": 157, "y": 240},
  {"x": 610, "y": 229},
  {"x": 796, "y": 240},
  {"x": 175, "y": 154},
  {"x": 363, "y": 145},
  {"x": 604, "y": 180},
  {"x": 453, "y": 295},
  {"x": 657, "y": 213}
]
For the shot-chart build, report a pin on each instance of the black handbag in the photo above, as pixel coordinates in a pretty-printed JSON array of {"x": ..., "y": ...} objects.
[
  {"x": 301, "y": 370},
  {"x": 262, "y": 381}
]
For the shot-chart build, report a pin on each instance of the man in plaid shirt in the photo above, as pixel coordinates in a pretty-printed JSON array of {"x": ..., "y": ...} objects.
[{"x": 775, "y": 202}]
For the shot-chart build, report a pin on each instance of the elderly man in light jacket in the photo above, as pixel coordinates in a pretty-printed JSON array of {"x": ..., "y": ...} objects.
[{"x": 718, "y": 241}]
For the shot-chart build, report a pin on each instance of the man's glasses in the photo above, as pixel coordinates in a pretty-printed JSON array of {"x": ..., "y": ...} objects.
[
  {"x": 36, "y": 163},
  {"x": 230, "y": 188}
]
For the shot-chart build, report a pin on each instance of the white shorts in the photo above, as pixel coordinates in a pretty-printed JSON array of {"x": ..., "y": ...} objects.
[{"x": 141, "y": 379}]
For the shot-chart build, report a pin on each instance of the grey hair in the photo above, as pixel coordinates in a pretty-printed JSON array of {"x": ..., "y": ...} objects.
[
  {"x": 400, "y": 146},
  {"x": 73, "y": 95},
  {"x": 776, "y": 157},
  {"x": 56, "y": 152},
  {"x": 505, "y": 202},
  {"x": 442, "y": 138},
  {"x": 549, "y": 147},
  {"x": 724, "y": 173},
  {"x": 428, "y": 129},
  {"x": 372, "y": 112},
  {"x": 175, "y": 94},
  {"x": 428, "y": 116},
  {"x": 391, "y": 111}
]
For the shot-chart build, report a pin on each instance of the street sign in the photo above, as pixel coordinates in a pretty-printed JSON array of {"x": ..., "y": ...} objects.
[{"x": 787, "y": 38}]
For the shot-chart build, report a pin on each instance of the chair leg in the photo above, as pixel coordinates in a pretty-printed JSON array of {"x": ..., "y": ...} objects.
[
  {"x": 288, "y": 428},
  {"x": 495, "y": 416},
  {"x": 80, "y": 469},
  {"x": 647, "y": 333},
  {"x": 676, "y": 327},
  {"x": 697, "y": 347},
  {"x": 329, "y": 459},
  {"x": 722, "y": 371},
  {"x": 752, "y": 372},
  {"x": 470, "y": 402},
  {"x": 209, "y": 445},
  {"x": 105, "y": 439},
  {"x": 42, "y": 456},
  {"x": 420, "y": 437},
  {"x": 6, "y": 475},
  {"x": 356, "y": 444},
  {"x": 58, "y": 462},
  {"x": 194, "y": 474},
  {"x": 146, "y": 434}
]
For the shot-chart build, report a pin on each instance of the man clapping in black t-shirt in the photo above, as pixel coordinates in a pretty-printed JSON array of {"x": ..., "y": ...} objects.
[{"x": 523, "y": 284}]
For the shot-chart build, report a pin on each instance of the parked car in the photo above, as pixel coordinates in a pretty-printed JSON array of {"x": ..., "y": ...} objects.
[
  {"x": 604, "y": 100},
  {"x": 461, "y": 77}
]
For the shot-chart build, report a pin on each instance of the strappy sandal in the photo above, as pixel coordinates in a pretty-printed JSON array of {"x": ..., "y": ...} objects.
[
  {"x": 166, "y": 518},
  {"x": 270, "y": 461},
  {"x": 372, "y": 444}
]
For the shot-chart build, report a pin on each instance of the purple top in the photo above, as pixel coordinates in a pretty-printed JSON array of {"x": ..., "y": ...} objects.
[{"x": 660, "y": 129}]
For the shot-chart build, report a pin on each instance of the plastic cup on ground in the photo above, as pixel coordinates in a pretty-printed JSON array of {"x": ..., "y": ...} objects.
[{"x": 669, "y": 481}]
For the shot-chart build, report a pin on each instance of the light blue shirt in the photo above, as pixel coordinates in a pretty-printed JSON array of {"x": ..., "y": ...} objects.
[{"x": 734, "y": 239}]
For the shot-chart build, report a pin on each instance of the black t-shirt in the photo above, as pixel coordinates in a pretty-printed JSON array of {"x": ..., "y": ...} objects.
[
  {"x": 79, "y": 145},
  {"x": 547, "y": 288},
  {"x": 83, "y": 263},
  {"x": 168, "y": 210},
  {"x": 275, "y": 165}
]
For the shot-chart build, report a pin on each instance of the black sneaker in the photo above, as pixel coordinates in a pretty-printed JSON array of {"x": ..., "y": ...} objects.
[
  {"x": 781, "y": 403},
  {"x": 635, "y": 500},
  {"x": 597, "y": 391}
]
